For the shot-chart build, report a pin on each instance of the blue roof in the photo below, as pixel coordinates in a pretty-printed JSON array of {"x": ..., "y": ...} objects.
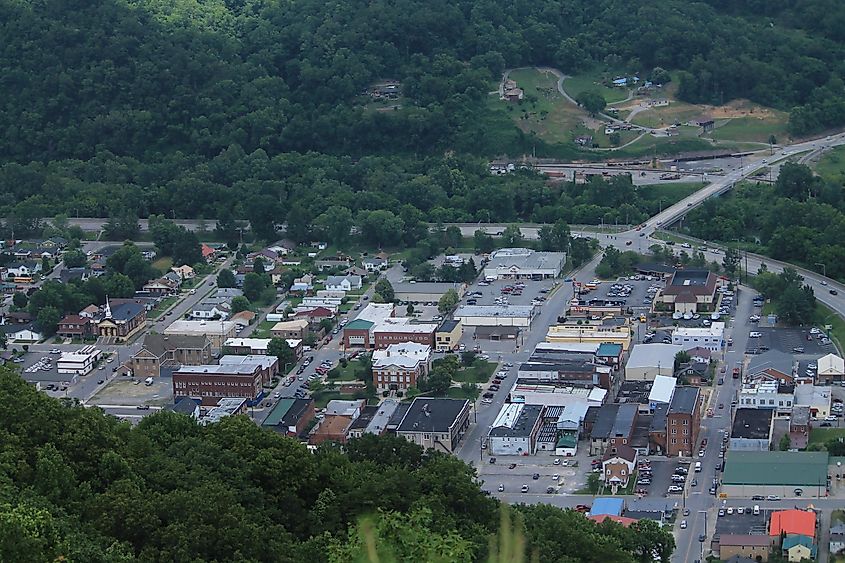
[
  {"x": 609, "y": 349},
  {"x": 607, "y": 505}
]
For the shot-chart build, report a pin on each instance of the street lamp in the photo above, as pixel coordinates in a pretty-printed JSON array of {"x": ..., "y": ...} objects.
[
  {"x": 824, "y": 268},
  {"x": 704, "y": 512}
]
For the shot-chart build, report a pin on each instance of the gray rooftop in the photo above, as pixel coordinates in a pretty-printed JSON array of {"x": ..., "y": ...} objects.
[
  {"x": 684, "y": 400},
  {"x": 507, "y": 311},
  {"x": 425, "y": 287},
  {"x": 523, "y": 425},
  {"x": 432, "y": 415},
  {"x": 772, "y": 359},
  {"x": 382, "y": 417},
  {"x": 158, "y": 344}
]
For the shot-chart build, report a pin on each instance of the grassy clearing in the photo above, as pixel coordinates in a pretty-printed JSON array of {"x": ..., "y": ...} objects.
[
  {"x": 675, "y": 112},
  {"x": 479, "y": 372},
  {"x": 824, "y": 435},
  {"x": 831, "y": 166},
  {"x": 163, "y": 264},
  {"x": 161, "y": 307},
  {"x": 669, "y": 192},
  {"x": 263, "y": 330},
  {"x": 826, "y": 316},
  {"x": 593, "y": 80},
  {"x": 459, "y": 393},
  {"x": 752, "y": 129},
  {"x": 649, "y": 145},
  {"x": 544, "y": 112}
]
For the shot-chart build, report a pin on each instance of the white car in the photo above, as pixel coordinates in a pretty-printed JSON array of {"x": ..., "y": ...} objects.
[
  {"x": 675, "y": 489},
  {"x": 557, "y": 461},
  {"x": 55, "y": 351},
  {"x": 683, "y": 524},
  {"x": 755, "y": 334},
  {"x": 555, "y": 477}
]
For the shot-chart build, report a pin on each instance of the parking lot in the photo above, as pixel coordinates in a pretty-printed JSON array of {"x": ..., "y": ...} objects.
[
  {"x": 746, "y": 523},
  {"x": 789, "y": 340},
  {"x": 128, "y": 391},
  {"x": 655, "y": 476},
  {"x": 512, "y": 472},
  {"x": 633, "y": 292}
]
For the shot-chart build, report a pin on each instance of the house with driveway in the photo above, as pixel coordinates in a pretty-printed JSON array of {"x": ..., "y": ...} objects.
[{"x": 343, "y": 283}]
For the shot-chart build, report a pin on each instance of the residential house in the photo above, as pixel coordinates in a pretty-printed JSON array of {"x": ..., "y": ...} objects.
[
  {"x": 693, "y": 373},
  {"x": 208, "y": 310},
  {"x": 68, "y": 275},
  {"x": 185, "y": 272},
  {"x": 169, "y": 351},
  {"x": 186, "y": 406},
  {"x": 700, "y": 354},
  {"x": 374, "y": 263},
  {"x": 614, "y": 427},
  {"x": 333, "y": 428},
  {"x": 618, "y": 466},
  {"x": 291, "y": 416},
  {"x": 21, "y": 333},
  {"x": 24, "y": 269},
  {"x": 798, "y": 547},
  {"x": 161, "y": 286},
  {"x": 122, "y": 320},
  {"x": 837, "y": 538},
  {"x": 343, "y": 283},
  {"x": 296, "y": 329},
  {"x": 435, "y": 423},
  {"x": 243, "y": 318},
  {"x": 400, "y": 366},
  {"x": 208, "y": 253},
  {"x": 315, "y": 316},
  {"x": 303, "y": 285},
  {"x": 76, "y": 326}
]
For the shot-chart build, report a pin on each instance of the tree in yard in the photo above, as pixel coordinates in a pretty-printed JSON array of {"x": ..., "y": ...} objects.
[
  {"x": 591, "y": 101},
  {"x": 731, "y": 262},
  {"x": 448, "y": 301},
  {"x": 326, "y": 325},
  {"x": 593, "y": 482},
  {"x": 240, "y": 303},
  {"x": 47, "y": 320},
  {"x": 258, "y": 265},
  {"x": 785, "y": 443},
  {"x": 279, "y": 347},
  {"x": 253, "y": 286},
  {"x": 45, "y": 265},
  {"x": 410, "y": 309},
  {"x": 660, "y": 75},
  {"x": 512, "y": 236},
  {"x": 20, "y": 300},
  {"x": 483, "y": 242},
  {"x": 119, "y": 285},
  {"x": 226, "y": 278},
  {"x": 384, "y": 291},
  {"x": 437, "y": 382},
  {"x": 186, "y": 248},
  {"x": 471, "y": 390},
  {"x": 835, "y": 447},
  {"x": 681, "y": 358},
  {"x": 424, "y": 271},
  {"x": 74, "y": 259},
  {"x": 335, "y": 224},
  {"x": 468, "y": 357}
]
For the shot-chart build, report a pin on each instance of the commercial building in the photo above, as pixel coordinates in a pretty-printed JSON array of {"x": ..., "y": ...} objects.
[
  {"x": 210, "y": 383},
  {"x": 610, "y": 506},
  {"x": 437, "y": 424},
  {"x": 817, "y": 398},
  {"x": 772, "y": 395},
  {"x": 772, "y": 365},
  {"x": 448, "y": 335},
  {"x": 425, "y": 292},
  {"x": 216, "y": 331},
  {"x": 400, "y": 366},
  {"x": 515, "y": 430},
  {"x": 831, "y": 368},
  {"x": 78, "y": 363},
  {"x": 690, "y": 291},
  {"x": 224, "y": 408},
  {"x": 614, "y": 427},
  {"x": 785, "y": 474},
  {"x": 270, "y": 364},
  {"x": 495, "y": 315},
  {"x": 397, "y": 330},
  {"x": 755, "y": 548},
  {"x": 296, "y": 329},
  {"x": 662, "y": 390},
  {"x": 593, "y": 334},
  {"x": 752, "y": 430},
  {"x": 290, "y": 416},
  {"x": 359, "y": 332},
  {"x": 166, "y": 351},
  {"x": 683, "y": 421},
  {"x": 258, "y": 346},
  {"x": 523, "y": 263},
  {"x": 711, "y": 338},
  {"x": 650, "y": 360}
]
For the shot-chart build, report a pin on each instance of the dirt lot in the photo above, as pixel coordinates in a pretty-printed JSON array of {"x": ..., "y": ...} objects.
[{"x": 122, "y": 391}]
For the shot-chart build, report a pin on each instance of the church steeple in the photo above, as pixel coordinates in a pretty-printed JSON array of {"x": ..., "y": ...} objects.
[{"x": 107, "y": 312}]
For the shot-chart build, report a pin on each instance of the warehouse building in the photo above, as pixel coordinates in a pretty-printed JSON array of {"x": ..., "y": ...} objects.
[
  {"x": 495, "y": 315},
  {"x": 425, "y": 292},
  {"x": 650, "y": 360},
  {"x": 523, "y": 263},
  {"x": 785, "y": 474}
]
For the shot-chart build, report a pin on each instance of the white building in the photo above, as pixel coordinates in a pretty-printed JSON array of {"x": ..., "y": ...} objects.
[
  {"x": 80, "y": 362},
  {"x": 328, "y": 302},
  {"x": 216, "y": 331},
  {"x": 343, "y": 283},
  {"x": 662, "y": 390},
  {"x": 813, "y": 396},
  {"x": 515, "y": 430},
  {"x": 495, "y": 315},
  {"x": 712, "y": 338},
  {"x": 767, "y": 395},
  {"x": 831, "y": 368},
  {"x": 210, "y": 310},
  {"x": 521, "y": 263},
  {"x": 647, "y": 361},
  {"x": 400, "y": 366}
]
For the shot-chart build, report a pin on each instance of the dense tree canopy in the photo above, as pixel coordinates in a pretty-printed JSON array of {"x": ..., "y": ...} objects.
[{"x": 79, "y": 485}]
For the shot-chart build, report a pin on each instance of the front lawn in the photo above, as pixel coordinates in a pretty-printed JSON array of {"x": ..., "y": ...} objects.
[
  {"x": 479, "y": 372},
  {"x": 163, "y": 264},
  {"x": 263, "y": 329},
  {"x": 824, "y": 435},
  {"x": 163, "y": 306},
  {"x": 354, "y": 370}
]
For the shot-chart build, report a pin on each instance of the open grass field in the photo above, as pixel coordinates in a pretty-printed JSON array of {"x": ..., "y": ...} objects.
[
  {"x": 656, "y": 146},
  {"x": 544, "y": 111},
  {"x": 752, "y": 129},
  {"x": 669, "y": 192},
  {"x": 479, "y": 372},
  {"x": 831, "y": 166},
  {"x": 826, "y": 316},
  {"x": 163, "y": 264},
  {"x": 675, "y": 112},
  {"x": 822, "y": 435},
  {"x": 593, "y": 80}
]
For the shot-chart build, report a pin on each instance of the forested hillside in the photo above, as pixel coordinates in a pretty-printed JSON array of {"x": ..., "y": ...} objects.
[
  {"x": 142, "y": 105},
  {"x": 77, "y": 485}
]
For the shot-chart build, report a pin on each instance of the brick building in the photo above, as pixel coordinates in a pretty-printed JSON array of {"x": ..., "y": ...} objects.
[
  {"x": 210, "y": 383},
  {"x": 683, "y": 421},
  {"x": 400, "y": 366},
  {"x": 161, "y": 350}
]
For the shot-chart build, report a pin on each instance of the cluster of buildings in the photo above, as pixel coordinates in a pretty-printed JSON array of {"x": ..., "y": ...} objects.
[{"x": 757, "y": 533}]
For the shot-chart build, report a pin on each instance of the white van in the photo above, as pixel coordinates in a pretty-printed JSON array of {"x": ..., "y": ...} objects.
[
  {"x": 756, "y": 510},
  {"x": 698, "y": 467}
]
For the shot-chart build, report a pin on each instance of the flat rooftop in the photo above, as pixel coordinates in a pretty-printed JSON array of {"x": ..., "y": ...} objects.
[
  {"x": 506, "y": 311},
  {"x": 516, "y": 420},
  {"x": 752, "y": 424}
]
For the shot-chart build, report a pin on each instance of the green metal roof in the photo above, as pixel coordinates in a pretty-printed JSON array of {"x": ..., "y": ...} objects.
[
  {"x": 278, "y": 412},
  {"x": 566, "y": 440},
  {"x": 609, "y": 349},
  {"x": 776, "y": 468},
  {"x": 359, "y": 324}
]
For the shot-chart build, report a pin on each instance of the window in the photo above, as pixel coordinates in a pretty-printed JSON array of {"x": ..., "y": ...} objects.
[{"x": 674, "y": 441}]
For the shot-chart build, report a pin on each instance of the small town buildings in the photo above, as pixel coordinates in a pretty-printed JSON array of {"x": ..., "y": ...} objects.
[
  {"x": 618, "y": 466},
  {"x": 296, "y": 329},
  {"x": 76, "y": 326},
  {"x": 269, "y": 364},
  {"x": 374, "y": 263},
  {"x": 23, "y": 269},
  {"x": 817, "y": 398},
  {"x": 210, "y": 383},
  {"x": 216, "y": 331},
  {"x": 448, "y": 335},
  {"x": 610, "y": 506},
  {"x": 161, "y": 286},
  {"x": 434, "y": 423},
  {"x": 290, "y": 416},
  {"x": 831, "y": 368},
  {"x": 21, "y": 333},
  {"x": 523, "y": 263},
  {"x": 772, "y": 365},
  {"x": 610, "y": 354},
  {"x": 169, "y": 352},
  {"x": 710, "y": 338},
  {"x": 495, "y": 315},
  {"x": 837, "y": 538},
  {"x": 257, "y": 346},
  {"x": 226, "y": 407},
  {"x": 690, "y": 291},
  {"x": 122, "y": 320},
  {"x": 784, "y": 474},
  {"x": 767, "y": 395},
  {"x": 650, "y": 360},
  {"x": 754, "y": 548},
  {"x": 400, "y": 366},
  {"x": 343, "y": 283},
  {"x": 615, "y": 334},
  {"x": 795, "y": 530},
  {"x": 515, "y": 430},
  {"x": 360, "y": 331},
  {"x": 425, "y": 292},
  {"x": 614, "y": 426},
  {"x": 752, "y": 430},
  {"x": 333, "y": 428},
  {"x": 80, "y": 362},
  {"x": 395, "y": 330},
  {"x": 185, "y": 272},
  {"x": 209, "y": 310},
  {"x": 683, "y": 421}
]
